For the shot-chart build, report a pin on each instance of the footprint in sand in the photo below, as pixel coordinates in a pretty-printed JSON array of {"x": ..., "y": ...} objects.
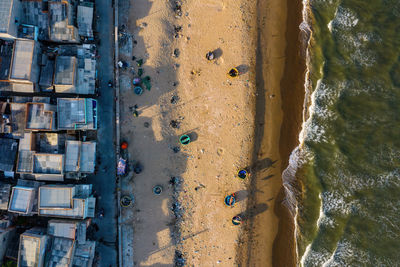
[{"x": 220, "y": 151}]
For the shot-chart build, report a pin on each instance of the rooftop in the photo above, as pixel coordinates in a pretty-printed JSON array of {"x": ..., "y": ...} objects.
[
  {"x": 5, "y": 190},
  {"x": 18, "y": 113},
  {"x": 61, "y": 27},
  {"x": 30, "y": 249},
  {"x": 8, "y": 152},
  {"x": 61, "y": 252},
  {"x": 46, "y": 73},
  {"x": 6, "y": 51},
  {"x": 46, "y": 142},
  {"x": 75, "y": 230},
  {"x": 5, "y": 14},
  {"x": 21, "y": 199},
  {"x": 77, "y": 113},
  {"x": 56, "y": 197},
  {"x": 22, "y": 59},
  {"x": 86, "y": 82},
  {"x": 40, "y": 116},
  {"x": 51, "y": 204},
  {"x": 65, "y": 71},
  {"x": 34, "y": 15},
  {"x": 85, "y": 19},
  {"x": 48, "y": 163},
  {"x": 84, "y": 254},
  {"x": 80, "y": 156}
]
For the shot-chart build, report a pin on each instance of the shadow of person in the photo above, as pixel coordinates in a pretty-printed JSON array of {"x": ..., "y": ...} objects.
[
  {"x": 241, "y": 195},
  {"x": 262, "y": 164},
  {"x": 217, "y": 53},
  {"x": 254, "y": 211},
  {"x": 243, "y": 68}
]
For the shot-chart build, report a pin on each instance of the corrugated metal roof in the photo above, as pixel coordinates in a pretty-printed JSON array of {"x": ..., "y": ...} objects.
[
  {"x": 88, "y": 157},
  {"x": 8, "y": 154},
  {"x": 5, "y": 14},
  {"x": 72, "y": 155},
  {"x": 80, "y": 156},
  {"x": 85, "y": 19},
  {"x": 29, "y": 251},
  {"x": 48, "y": 163},
  {"x": 51, "y": 197},
  {"x": 65, "y": 70},
  {"x": 62, "y": 228},
  {"x": 40, "y": 116},
  {"x": 5, "y": 190},
  {"x": 21, "y": 198},
  {"x": 61, "y": 252},
  {"x": 76, "y": 212},
  {"x": 22, "y": 60}
]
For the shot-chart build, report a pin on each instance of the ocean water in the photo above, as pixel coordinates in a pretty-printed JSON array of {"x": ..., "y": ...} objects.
[{"x": 347, "y": 167}]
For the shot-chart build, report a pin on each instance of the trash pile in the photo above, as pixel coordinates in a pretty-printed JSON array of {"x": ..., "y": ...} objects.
[
  {"x": 179, "y": 259},
  {"x": 121, "y": 167},
  {"x": 138, "y": 81},
  {"x": 177, "y": 208}
]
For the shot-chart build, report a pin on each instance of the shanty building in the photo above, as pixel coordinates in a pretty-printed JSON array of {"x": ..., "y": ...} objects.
[
  {"x": 5, "y": 190},
  {"x": 80, "y": 157},
  {"x": 12, "y": 119},
  {"x": 10, "y": 12},
  {"x": 84, "y": 254},
  {"x": 75, "y": 75},
  {"x": 6, "y": 54},
  {"x": 66, "y": 201},
  {"x": 49, "y": 156},
  {"x": 69, "y": 241},
  {"x": 25, "y": 69},
  {"x": 38, "y": 158},
  {"x": 61, "y": 18},
  {"x": 46, "y": 73},
  {"x": 8, "y": 153},
  {"x": 23, "y": 199},
  {"x": 77, "y": 114},
  {"x": 85, "y": 19},
  {"x": 7, "y": 235},
  {"x": 35, "y": 16},
  {"x": 86, "y": 82},
  {"x": 65, "y": 74},
  {"x": 61, "y": 252},
  {"x": 40, "y": 117},
  {"x": 33, "y": 245},
  {"x": 72, "y": 229}
]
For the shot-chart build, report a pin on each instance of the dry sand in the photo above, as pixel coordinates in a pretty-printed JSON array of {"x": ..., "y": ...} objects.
[{"x": 235, "y": 123}]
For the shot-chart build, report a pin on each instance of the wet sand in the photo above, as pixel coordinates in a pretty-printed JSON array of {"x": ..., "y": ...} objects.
[{"x": 234, "y": 123}]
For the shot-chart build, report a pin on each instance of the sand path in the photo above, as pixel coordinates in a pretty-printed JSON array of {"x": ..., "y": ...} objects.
[{"x": 234, "y": 123}]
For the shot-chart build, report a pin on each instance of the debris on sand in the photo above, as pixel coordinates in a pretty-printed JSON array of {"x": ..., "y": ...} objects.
[
  {"x": 196, "y": 72},
  {"x": 177, "y": 31},
  {"x": 175, "y": 182},
  {"x": 139, "y": 62},
  {"x": 179, "y": 259},
  {"x": 176, "y": 52},
  {"x": 146, "y": 82},
  {"x": 174, "y": 99},
  {"x": 175, "y": 124},
  {"x": 178, "y": 9}
]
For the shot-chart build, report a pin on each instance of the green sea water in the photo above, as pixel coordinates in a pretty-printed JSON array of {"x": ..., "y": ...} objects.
[{"x": 348, "y": 164}]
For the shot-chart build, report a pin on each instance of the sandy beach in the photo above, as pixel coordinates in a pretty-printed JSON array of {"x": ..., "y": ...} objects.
[{"x": 234, "y": 123}]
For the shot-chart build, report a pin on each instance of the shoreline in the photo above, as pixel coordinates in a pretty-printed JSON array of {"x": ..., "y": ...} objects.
[{"x": 293, "y": 99}]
